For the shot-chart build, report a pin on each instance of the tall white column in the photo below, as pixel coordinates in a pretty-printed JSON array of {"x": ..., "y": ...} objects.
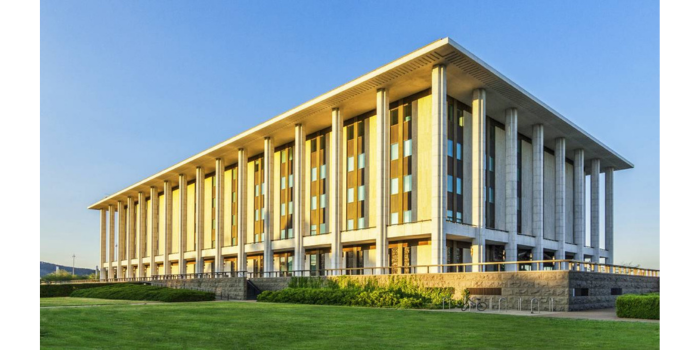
[
  {"x": 297, "y": 194},
  {"x": 199, "y": 218},
  {"x": 595, "y": 209},
  {"x": 141, "y": 239},
  {"x": 579, "y": 203},
  {"x": 154, "y": 231},
  {"x": 439, "y": 166},
  {"x": 120, "y": 239},
  {"x": 130, "y": 235},
  {"x": 168, "y": 233},
  {"x": 267, "y": 206},
  {"x": 335, "y": 189},
  {"x": 241, "y": 212},
  {"x": 381, "y": 203},
  {"x": 560, "y": 196},
  {"x": 182, "y": 230},
  {"x": 512, "y": 187},
  {"x": 219, "y": 178},
  {"x": 110, "y": 210},
  {"x": 478, "y": 149},
  {"x": 538, "y": 191},
  {"x": 103, "y": 244},
  {"x": 609, "y": 224}
]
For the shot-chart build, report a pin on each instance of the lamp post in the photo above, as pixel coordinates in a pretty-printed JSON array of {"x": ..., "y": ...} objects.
[{"x": 73, "y": 264}]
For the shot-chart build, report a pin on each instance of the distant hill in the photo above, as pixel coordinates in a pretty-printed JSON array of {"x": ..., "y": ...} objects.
[{"x": 47, "y": 268}]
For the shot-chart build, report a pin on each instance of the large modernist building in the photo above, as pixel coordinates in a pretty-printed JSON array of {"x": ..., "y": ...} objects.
[{"x": 432, "y": 159}]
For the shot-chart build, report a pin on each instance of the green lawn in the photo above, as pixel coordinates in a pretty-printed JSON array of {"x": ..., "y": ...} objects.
[
  {"x": 233, "y": 325},
  {"x": 66, "y": 301}
]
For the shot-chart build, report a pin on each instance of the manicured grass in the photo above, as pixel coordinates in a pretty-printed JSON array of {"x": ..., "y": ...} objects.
[
  {"x": 213, "y": 325},
  {"x": 66, "y": 301}
]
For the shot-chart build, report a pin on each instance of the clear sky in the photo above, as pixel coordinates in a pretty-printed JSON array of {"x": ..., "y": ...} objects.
[{"x": 129, "y": 88}]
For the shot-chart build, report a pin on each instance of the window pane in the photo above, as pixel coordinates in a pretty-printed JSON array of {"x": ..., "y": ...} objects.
[
  {"x": 283, "y": 206},
  {"x": 394, "y": 186},
  {"x": 313, "y": 203},
  {"x": 350, "y": 224},
  {"x": 313, "y": 230},
  {"x": 459, "y": 185},
  {"x": 361, "y": 161},
  {"x": 361, "y": 193},
  {"x": 459, "y": 217},
  {"x": 262, "y": 189},
  {"x": 313, "y": 174},
  {"x": 291, "y": 180},
  {"x": 283, "y": 156},
  {"x": 323, "y": 201},
  {"x": 283, "y": 182},
  {"x": 323, "y": 171},
  {"x": 407, "y": 148},
  {"x": 407, "y": 183},
  {"x": 257, "y": 190},
  {"x": 459, "y": 150},
  {"x": 394, "y": 218},
  {"x": 351, "y": 163},
  {"x": 449, "y": 148},
  {"x": 361, "y": 223},
  {"x": 407, "y": 216},
  {"x": 395, "y": 151},
  {"x": 449, "y": 215},
  {"x": 290, "y": 233},
  {"x": 323, "y": 228},
  {"x": 449, "y": 183},
  {"x": 351, "y": 195}
]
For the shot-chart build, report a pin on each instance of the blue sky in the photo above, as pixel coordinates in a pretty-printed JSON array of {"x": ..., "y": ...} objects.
[{"x": 129, "y": 88}]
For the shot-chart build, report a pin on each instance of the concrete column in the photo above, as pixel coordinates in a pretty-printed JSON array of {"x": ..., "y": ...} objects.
[
  {"x": 438, "y": 164},
  {"x": 130, "y": 227},
  {"x": 168, "y": 233},
  {"x": 579, "y": 203},
  {"x": 199, "y": 218},
  {"x": 218, "y": 259},
  {"x": 478, "y": 149},
  {"x": 241, "y": 213},
  {"x": 111, "y": 240},
  {"x": 141, "y": 239},
  {"x": 560, "y": 196},
  {"x": 103, "y": 244},
  {"x": 297, "y": 194},
  {"x": 268, "y": 263},
  {"x": 595, "y": 209},
  {"x": 512, "y": 187},
  {"x": 335, "y": 189},
  {"x": 609, "y": 224},
  {"x": 154, "y": 230},
  {"x": 182, "y": 230},
  {"x": 120, "y": 238},
  {"x": 382, "y": 179},
  {"x": 538, "y": 191}
]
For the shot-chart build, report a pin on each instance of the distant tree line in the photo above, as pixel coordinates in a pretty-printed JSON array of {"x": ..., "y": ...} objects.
[{"x": 63, "y": 275}]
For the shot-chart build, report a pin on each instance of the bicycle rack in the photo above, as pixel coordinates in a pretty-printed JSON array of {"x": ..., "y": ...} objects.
[
  {"x": 520, "y": 304},
  {"x": 499, "y": 303},
  {"x": 491, "y": 303},
  {"x": 532, "y": 301},
  {"x": 551, "y": 304}
]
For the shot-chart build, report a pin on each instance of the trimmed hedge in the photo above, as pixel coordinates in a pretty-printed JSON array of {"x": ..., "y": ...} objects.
[
  {"x": 64, "y": 290},
  {"x": 143, "y": 292},
  {"x": 645, "y": 306},
  {"x": 397, "y": 292}
]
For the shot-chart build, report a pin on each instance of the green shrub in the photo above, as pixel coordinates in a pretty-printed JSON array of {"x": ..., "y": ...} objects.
[
  {"x": 143, "y": 292},
  {"x": 64, "y": 290},
  {"x": 645, "y": 306}
]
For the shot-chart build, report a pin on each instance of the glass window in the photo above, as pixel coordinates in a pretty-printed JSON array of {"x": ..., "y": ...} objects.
[
  {"x": 449, "y": 148},
  {"x": 361, "y": 193},
  {"x": 313, "y": 203},
  {"x": 351, "y": 132},
  {"x": 290, "y": 233},
  {"x": 257, "y": 190},
  {"x": 361, "y": 223},
  {"x": 407, "y": 147},
  {"x": 283, "y": 206},
  {"x": 459, "y": 150},
  {"x": 449, "y": 215},
  {"x": 313, "y": 230},
  {"x": 313, "y": 174},
  {"x": 459, "y": 185},
  {"x": 257, "y": 214},
  {"x": 394, "y": 218},
  {"x": 323, "y": 200},
  {"x": 283, "y": 182},
  {"x": 233, "y": 197},
  {"x": 291, "y": 208},
  {"x": 459, "y": 217},
  {"x": 351, "y": 163},
  {"x": 394, "y": 186},
  {"x": 407, "y": 216},
  {"x": 449, "y": 183},
  {"x": 291, "y": 180},
  {"x": 407, "y": 183},
  {"x": 394, "y": 151},
  {"x": 350, "y": 224},
  {"x": 361, "y": 161},
  {"x": 351, "y": 195},
  {"x": 262, "y": 189},
  {"x": 323, "y": 171},
  {"x": 283, "y": 234},
  {"x": 394, "y": 116},
  {"x": 283, "y": 156},
  {"x": 323, "y": 228}
]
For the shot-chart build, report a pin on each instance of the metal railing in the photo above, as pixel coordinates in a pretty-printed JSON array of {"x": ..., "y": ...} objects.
[{"x": 501, "y": 266}]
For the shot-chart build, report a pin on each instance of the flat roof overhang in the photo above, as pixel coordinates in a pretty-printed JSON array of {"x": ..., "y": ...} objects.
[{"x": 403, "y": 77}]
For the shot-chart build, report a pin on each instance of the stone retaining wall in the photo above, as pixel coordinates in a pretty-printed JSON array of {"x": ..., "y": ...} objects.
[
  {"x": 234, "y": 288},
  {"x": 600, "y": 285},
  {"x": 271, "y": 283}
]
